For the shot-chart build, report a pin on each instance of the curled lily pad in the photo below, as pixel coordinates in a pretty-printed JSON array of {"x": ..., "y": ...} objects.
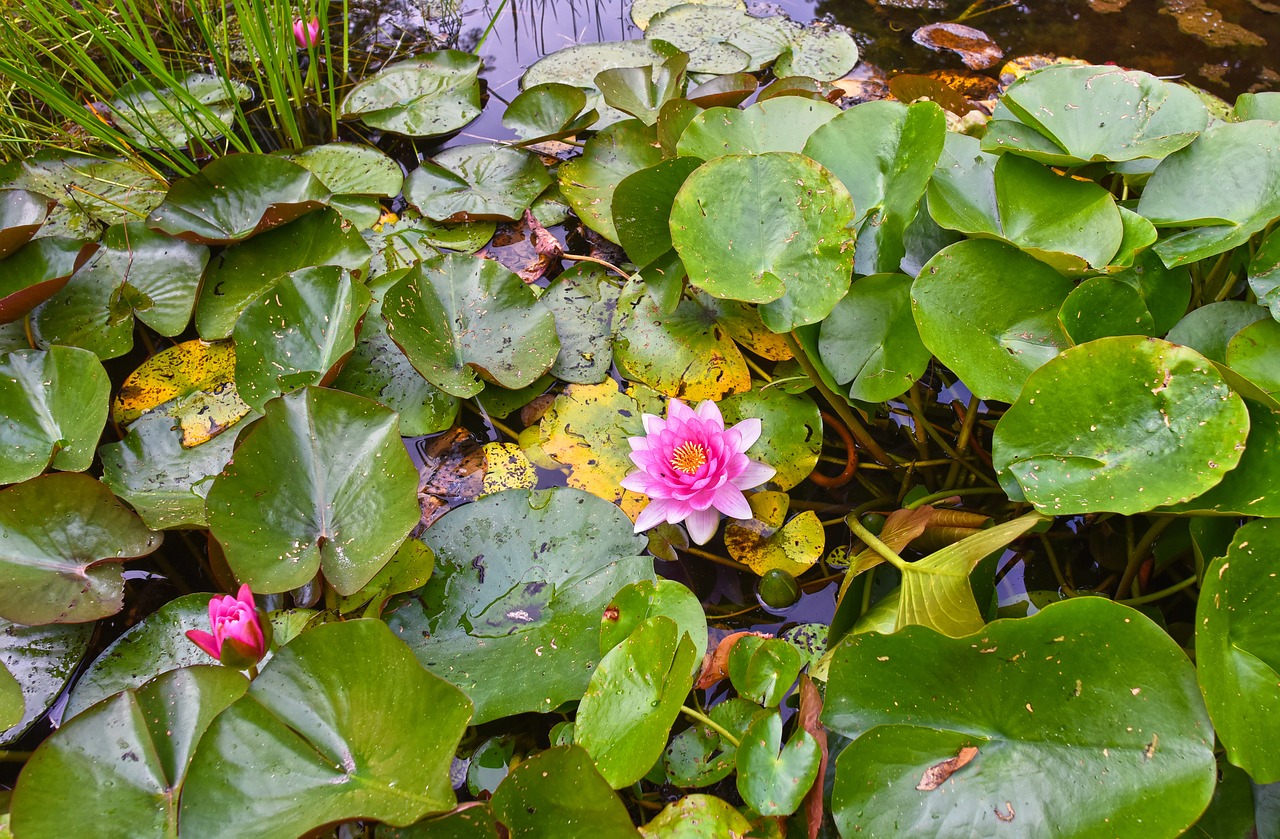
[
  {"x": 235, "y": 197},
  {"x": 297, "y": 332},
  {"x": 42, "y": 660},
  {"x": 579, "y": 64},
  {"x": 721, "y": 39},
  {"x": 1136, "y": 734},
  {"x": 589, "y": 181},
  {"x": 1068, "y": 115},
  {"x": 456, "y": 316},
  {"x": 37, "y": 272},
  {"x": 519, "y": 634},
  {"x": 870, "y": 343},
  {"x": 321, "y": 483},
  {"x": 309, "y": 743},
  {"x": 784, "y": 123},
  {"x": 64, "y": 566},
  {"x": 240, "y": 274},
  {"x": 477, "y": 182},
  {"x": 548, "y": 111},
  {"x": 192, "y": 382},
  {"x": 21, "y": 214},
  {"x": 642, "y": 91},
  {"x": 1120, "y": 424},
  {"x": 55, "y": 406},
  {"x": 162, "y": 117},
  {"x": 425, "y": 96},
  {"x": 770, "y": 228}
]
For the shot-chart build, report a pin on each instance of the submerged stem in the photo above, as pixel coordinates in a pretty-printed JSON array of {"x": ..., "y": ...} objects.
[{"x": 840, "y": 406}]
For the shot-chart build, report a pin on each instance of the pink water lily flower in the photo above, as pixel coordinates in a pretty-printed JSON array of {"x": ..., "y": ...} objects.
[
  {"x": 238, "y": 639},
  {"x": 307, "y": 34},
  {"x": 693, "y": 469}
]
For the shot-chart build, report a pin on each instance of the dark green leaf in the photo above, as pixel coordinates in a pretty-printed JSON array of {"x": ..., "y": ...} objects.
[
  {"x": 55, "y": 406},
  {"x": 588, "y": 182},
  {"x": 773, "y": 778},
  {"x": 425, "y": 96},
  {"x": 42, "y": 660},
  {"x": 477, "y": 182},
  {"x": 557, "y": 794},
  {"x": 870, "y": 343}
]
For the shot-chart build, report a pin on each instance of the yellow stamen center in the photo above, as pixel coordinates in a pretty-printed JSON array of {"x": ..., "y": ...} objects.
[{"x": 688, "y": 457}]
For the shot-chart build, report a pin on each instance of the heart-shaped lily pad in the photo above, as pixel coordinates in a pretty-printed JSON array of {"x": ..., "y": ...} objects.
[
  {"x": 425, "y": 96},
  {"x": 235, "y": 197},
  {"x": 42, "y": 660},
  {"x": 1123, "y": 718},
  {"x": 309, "y": 744},
  {"x": 321, "y": 483},
  {"x": 128, "y": 756},
  {"x": 770, "y": 228},
  {"x": 767, "y": 540},
  {"x": 1120, "y": 424},
  {"x": 161, "y": 117},
  {"x": 512, "y": 612},
  {"x": 55, "y": 406},
  {"x": 870, "y": 343},
  {"x": 193, "y": 382},
  {"x": 772, "y": 777},
  {"x": 456, "y": 316},
  {"x": 297, "y": 332},
  {"x": 38, "y": 271},
  {"x": 548, "y": 112},
  {"x": 589, "y": 181},
  {"x": 477, "y": 182},
  {"x": 64, "y": 565},
  {"x": 21, "y": 214}
]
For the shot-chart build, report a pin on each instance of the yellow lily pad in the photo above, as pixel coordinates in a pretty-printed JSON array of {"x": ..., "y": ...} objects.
[
  {"x": 507, "y": 467},
  {"x": 586, "y": 430},
  {"x": 768, "y": 541},
  {"x": 192, "y": 382}
]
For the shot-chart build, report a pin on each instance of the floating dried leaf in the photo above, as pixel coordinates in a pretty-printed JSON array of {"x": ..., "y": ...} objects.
[{"x": 935, "y": 775}]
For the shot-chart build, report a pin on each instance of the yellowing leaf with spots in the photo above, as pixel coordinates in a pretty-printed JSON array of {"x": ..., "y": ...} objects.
[
  {"x": 507, "y": 467},
  {"x": 586, "y": 430},
  {"x": 193, "y": 382},
  {"x": 769, "y": 541}
]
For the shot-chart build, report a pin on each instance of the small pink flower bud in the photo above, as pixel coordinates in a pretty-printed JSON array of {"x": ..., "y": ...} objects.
[
  {"x": 307, "y": 34},
  {"x": 240, "y": 636}
]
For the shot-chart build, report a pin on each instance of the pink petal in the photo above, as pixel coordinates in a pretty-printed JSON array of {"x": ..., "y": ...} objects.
[
  {"x": 638, "y": 482},
  {"x": 205, "y": 641},
  {"x": 708, "y": 411},
  {"x": 677, "y": 410},
  {"x": 653, "y": 515},
  {"x": 702, "y": 525},
  {"x": 754, "y": 475},
  {"x": 730, "y": 501},
  {"x": 245, "y": 596},
  {"x": 653, "y": 424},
  {"x": 639, "y": 444},
  {"x": 748, "y": 431}
]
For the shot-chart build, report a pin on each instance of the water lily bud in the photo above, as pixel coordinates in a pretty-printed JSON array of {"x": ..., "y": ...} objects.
[
  {"x": 306, "y": 34},
  {"x": 240, "y": 635}
]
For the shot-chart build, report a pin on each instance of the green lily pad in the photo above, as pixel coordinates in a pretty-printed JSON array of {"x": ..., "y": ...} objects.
[
  {"x": 350, "y": 168},
  {"x": 583, "y": 303},
  {"x": 639, "y": 601},
  {"x": 456, "y": 316},
  {"x": 377, "y": 369},
  {"x": 235, "y": 197},
  {"x": 1101, "y": 307},
  {"x": 42, "y": 660},
  {"x": 763, "y": 669},
  {"x": 870, "y": 343},
  {"x": 1123, "y": 718},
  {"x": 642, "y": 91},
  {"x": 95, "y": 190},
  {"x": 821, "y": 52},
  {"x": 548, "y": 111},
  {"x": 642, "y": 11},
  {"x": 781, "y": 124},
  {"x": 64, "y": 566},
  {"x": 297, "y": 332},
  {"x": 240, "y": 274},
  {"x": 884, "y": 153},
  {"x": 770, "y": 228},
  {"x": 579, "y": 64},
  {"x": 699, "y": 756},
  {"x": 1067, "y": 115},
  {"x": 696, "y": 816},
  {"x": 425, "y": 96},
  {"x": 1264, "y": 274},
  {"x": 558, "y": 793},
  {"x": 1165, "y": 292},
  {"x": 1264, "y": 105},
  {"x": 55, "y": 407},
  {"x": 589, "y": 181},
  {"x": 22, "y": 212},
  {"x": 1209, "y": 329},
  {"x": 477, "y": 182},
  {"x": 774, "y": 778},
  {"x": 309, "y": 743},
  {"x": 634, "y": 696},
  {"x": 128, "y": 756},
  {"x": 164, "y": 482},
  {"x": 1235, "y": 648},
  {"x": 1120, "y": 424},
  {"x": 161, "y": 117},
  {"x": 37, "y": 272},
  {"x": 1246, "y": 490},
  {"x": 156, "y": 645},
  {"x": 992, "y": 346},
  {"x": 411, "y": 238},
  {"x": 1186, "y": 190},
  {"x": 791, "y": 436},
  {"x": 642, "y": 204},
  {"x": 1072, "y": 225},
  {"x": 409, "y": 569},
  {"x": 321, "y": 483},
  {"x": 135, "y": 272},
  {"x": 684, "y": 354},
  {"x": 1254, "y": 353},
  {"x": 721, "y": 39},
  {"x": 518, "y": 634}
]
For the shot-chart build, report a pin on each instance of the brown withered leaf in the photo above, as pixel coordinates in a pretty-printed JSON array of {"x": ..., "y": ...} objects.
[
  {"x": 451, "y": 473},
  {"x": 975, "y": 47},
  {"x": 525, "y": 247},
  {"x": 937, "y": 774},
  {"x": 900, "y": 528},
  {"x": 715, "y": 664},
  {"x": 909, "y": 88},
  {"x": 808, "y": 716},
  {"x": 865, "y": 83}
]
